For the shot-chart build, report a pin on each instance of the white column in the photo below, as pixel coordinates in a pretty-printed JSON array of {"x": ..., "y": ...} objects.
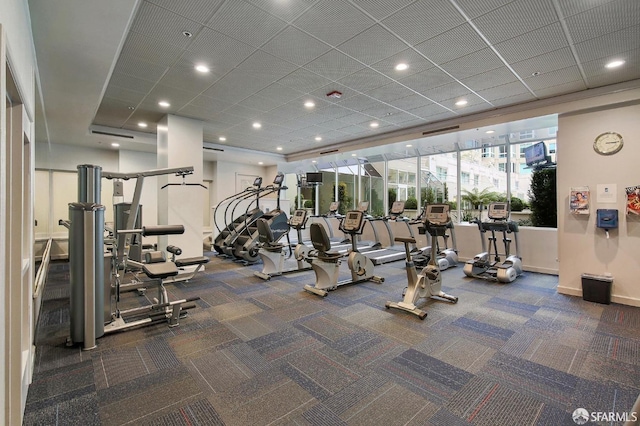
[{"x": 180, "y": 145}]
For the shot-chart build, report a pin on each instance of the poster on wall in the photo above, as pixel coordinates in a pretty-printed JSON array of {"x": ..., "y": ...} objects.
[
  {"x": 633, "y": 200},
  {"x": 579, "y": 200}
]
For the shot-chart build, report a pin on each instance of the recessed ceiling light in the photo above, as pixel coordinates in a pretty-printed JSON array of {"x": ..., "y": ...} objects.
[
  {"x": 314, "y": 161},
  {"x": 115, "y": 144},
  {"x": 374, "y": 124},
  {"x": 142, "y": 124},
  {"x": 256, "y": 125},
  {"x": 309, "y": 104},
  {"x": 260, "y": 163},
  {"x": 164, "y": 104},
  {"x": 401, "y": 66},
  {"x": 279, "y": 148},
  {"x": 162, "y": 128},
  {"x": 222, "y": 139},
  {"x": 353, "y": 155},
  {"x": 408, "y": 145},
  {"x": 318, "y": 138},
  {"x": 490, "y": 132},
  {"x": 462, "y": 102},
  {"x": 615, "y": 64},
  {"x": 202, "y": 68}
]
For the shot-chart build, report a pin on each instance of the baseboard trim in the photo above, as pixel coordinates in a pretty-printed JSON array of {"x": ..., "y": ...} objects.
[{"x": 622, "y": 300}]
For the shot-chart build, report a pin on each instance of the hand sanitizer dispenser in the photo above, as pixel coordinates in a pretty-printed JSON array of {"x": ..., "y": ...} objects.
[{"x": 607, "y": 219}]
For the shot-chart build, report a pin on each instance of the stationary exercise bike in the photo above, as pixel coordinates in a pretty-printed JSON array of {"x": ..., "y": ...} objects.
[
  {"x": 326, "y": 264},
  {"x": 272, "y": 252},
  {"x": 429, "y": 282},
  {"x": 446, "y": 257},
  {"x": 481, "y": 266}
]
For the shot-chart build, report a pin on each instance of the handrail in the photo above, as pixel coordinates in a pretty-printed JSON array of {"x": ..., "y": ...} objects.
[{"x": 39, "y": 282}]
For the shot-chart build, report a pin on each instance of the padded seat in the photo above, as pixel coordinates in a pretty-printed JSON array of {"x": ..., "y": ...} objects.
[
  {"x": 265, "y": 236},
  {"x": 190, "y": 261},
  {"x": 160, "y": 269},
  {"x": 322, "y": 243}
]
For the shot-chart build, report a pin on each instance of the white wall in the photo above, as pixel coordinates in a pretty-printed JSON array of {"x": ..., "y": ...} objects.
[
  {"x": 66, "y": 157},
  {"x": 582, "y": 247}
]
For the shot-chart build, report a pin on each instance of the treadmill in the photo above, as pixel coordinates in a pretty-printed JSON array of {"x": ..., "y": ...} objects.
[{"x": 395, "y": 251}]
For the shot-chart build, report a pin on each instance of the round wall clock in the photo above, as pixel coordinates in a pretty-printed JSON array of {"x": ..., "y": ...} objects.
[{"x": 608, "y": 143}]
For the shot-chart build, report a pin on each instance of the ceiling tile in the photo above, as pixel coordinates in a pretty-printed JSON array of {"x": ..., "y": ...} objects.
[
  {"x": 423, "y": 20},
  {"x": 112, "y": 113},
  {"x": 358, "y": 102},
  {"x": 163, "y": 25},
  {"x": 334, "y": 65},
  {"x": 532, "y": 44},
  {"x": 609, "y": 45},
  {"x": 265, "y": 67},
  {"x": 452, "y": 44},
  {"x": 150, "y": 49},
  {"x": 472, "y": 64},
  {"x": 489, "y": 79},
  {"x": 186, "y": 78},
  {"x": 503, "y": 91},
  {"x": 554, "y": 78},
  {"x": 286, "y": 10},
  {"x": 138, "y": 68},
  {"x": 128, "y": 96},
  {"x": 254, "y": 28},
  {"x": 516, "y": 18},
  {"x": 364, "y": 50},
  {"x": 390, "y": 92},
  {"x": 425, "y": 80},
  {"x": 475, "y": 8},
  {"x": 215, "y": 49},
  {"x": 447, "y": 91},
  {"x": 572, "y": 7},
  {"x": 334, "y": 22},
  {"x": 130, "y": 82},
  {"x": 365, "y": 80},
  {"x": 177, "y": 97},
  {"x": 380, "y": 9},
  {"x": 209, "y": 103},
  {"x": 607, "y": 18},
  {"x": 303, "y": 80},
  {"x": 413, "y": 59},
  {"x": 559, "y": 59},
  {"x": 295, "y": 46},
  {"x": 196, "y": 10},
  {"x": 410, "y": 102},
  {"x": 574, "y": 86}
]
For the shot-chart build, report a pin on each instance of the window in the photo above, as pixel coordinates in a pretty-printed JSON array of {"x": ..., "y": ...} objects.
[
  {"x": 503, "y": 151},
  {"x": 476, "y": 180},
  {"x": 514, "y": 167},
  {"x": 441, "y": 172},
  {"x": 552, "y": 148},
  {"x": 502, "y": 167},
  {"x": 523, "y": 146},
  {"x": 487, "y": 151},
  {"x": 465, "y": 177},
  {"x": 496, "y": 182}
]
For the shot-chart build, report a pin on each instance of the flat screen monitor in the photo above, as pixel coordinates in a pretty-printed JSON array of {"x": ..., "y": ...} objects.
[
  {"x": 257, "y": 182},
  {"x": 437, "y": 209},
  {"x": 314, "y": 177},
  {"x": 278, "y": 179},
  {"x": 536, "y": 153}
]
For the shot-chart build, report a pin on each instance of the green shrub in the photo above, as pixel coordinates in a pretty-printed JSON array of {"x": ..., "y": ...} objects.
[
  {"x": 517, "y": 205},
  {"x": 542, "y": 194},
  {"x": 308, "y": 204},
  {"x": 411, "y": 203}
]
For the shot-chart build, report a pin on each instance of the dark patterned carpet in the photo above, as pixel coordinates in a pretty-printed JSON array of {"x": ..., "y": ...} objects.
[{"x": 257, "y": 352}]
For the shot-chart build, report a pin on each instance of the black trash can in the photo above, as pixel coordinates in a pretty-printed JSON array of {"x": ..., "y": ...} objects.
[{"x": 596, "y": 288}]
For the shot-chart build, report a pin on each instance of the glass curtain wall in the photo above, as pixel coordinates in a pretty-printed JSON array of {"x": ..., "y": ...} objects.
[{"x": 403, "y": 182}]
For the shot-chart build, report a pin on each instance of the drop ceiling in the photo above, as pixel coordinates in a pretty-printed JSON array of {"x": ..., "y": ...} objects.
[{"x": 268, "y": 57}]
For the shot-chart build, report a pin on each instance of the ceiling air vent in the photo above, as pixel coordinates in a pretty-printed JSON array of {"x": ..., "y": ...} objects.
[
  {"x": 213, "y": 149},
  {"x": 444, "y": 129},
  {"x": 98, "y": 132},
  {"x": 328, "y": 152}
]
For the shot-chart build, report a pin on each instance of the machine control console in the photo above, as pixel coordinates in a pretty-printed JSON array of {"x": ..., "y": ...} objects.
[
  {"x": 498, "y": 211},
  {"x": 363, "y": 206},
  {"x": 298, "y": 219},
  {"x": 353, "y": 221},
  {"x": 397, "y": 208},
  {"x": 437, "y": 214},
  {"x": 333, "y": 207}
]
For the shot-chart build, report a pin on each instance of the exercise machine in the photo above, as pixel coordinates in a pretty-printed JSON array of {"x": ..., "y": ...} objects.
[
  {"x": 245, "y": 245},
  {"x": 482, "y": 265},
  {"x": 395, "y": 251},
  {"x": 326, "y": 263},
  {"x": 234, "y": 224},
  {"x": 272, "y": 252},
  {"x": 429, "y": 282},
  {"x": 445, "y": 256}
]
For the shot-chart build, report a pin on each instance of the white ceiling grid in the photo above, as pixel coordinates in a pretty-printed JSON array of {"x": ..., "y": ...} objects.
[{"x": 268, "y": 57}]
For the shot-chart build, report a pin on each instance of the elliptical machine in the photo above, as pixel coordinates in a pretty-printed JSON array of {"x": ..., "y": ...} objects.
[
  {"x": 481, "y": 266},
  {"x": 272, "y": 252},
  {"x": 445, "y": 257},
  {"x": 326, "y": 264},
  {"x": 429, "y": 282}
]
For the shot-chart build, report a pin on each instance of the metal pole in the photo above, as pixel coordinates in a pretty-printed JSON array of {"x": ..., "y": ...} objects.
[{"x": 89, "y": 341}]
